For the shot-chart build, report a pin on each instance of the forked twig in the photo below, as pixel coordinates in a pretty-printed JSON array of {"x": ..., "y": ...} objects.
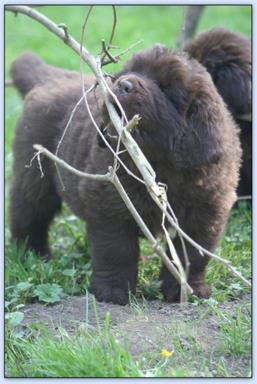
[{"x": 108, "y": 47}]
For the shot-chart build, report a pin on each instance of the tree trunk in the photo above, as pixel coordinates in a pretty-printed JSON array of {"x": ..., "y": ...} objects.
[{"x": 190, "y": 22}]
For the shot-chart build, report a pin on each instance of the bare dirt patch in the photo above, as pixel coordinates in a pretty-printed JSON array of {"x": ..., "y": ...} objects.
[{"x": 149, "y": 327}]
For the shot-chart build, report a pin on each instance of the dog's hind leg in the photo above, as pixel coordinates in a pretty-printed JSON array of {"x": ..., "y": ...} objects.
[
  {"x": 34, "y": 200},
  {"x": 32, "y": 212},
  {"x": 206, "y": 233},
  {"x": 30, "y": 218}
]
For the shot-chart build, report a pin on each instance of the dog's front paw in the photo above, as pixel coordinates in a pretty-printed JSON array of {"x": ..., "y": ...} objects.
[
  {"x": 170, "y": 292},
  {"x": 106, "y": 293},
  {"x": 200, "y": 289}
]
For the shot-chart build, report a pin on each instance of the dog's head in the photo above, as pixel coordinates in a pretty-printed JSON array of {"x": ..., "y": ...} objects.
[
  {"x": 227, "y": 57},
  {"x": 180, "y": 109}
]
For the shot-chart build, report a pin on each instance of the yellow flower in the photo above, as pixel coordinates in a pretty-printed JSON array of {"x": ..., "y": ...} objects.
[{"x": 166, "y": 353}]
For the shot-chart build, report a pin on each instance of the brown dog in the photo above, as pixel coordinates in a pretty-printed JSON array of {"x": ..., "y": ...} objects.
[
  {"x": 227, "y": 56},
  {"x": 185, "y": 131}
]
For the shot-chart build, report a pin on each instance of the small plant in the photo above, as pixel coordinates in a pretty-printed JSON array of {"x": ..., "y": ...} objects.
[
  {"x": 236, "y": 332},
  {"x": 27, "y": 275},
  {"x": 14, "y": 318},
  {"x": 48, "y": 293}
]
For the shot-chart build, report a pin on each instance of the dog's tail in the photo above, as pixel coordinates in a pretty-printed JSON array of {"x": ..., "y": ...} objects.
[
  {"x": 26, "y": 72},
  {"x": 29, "y": 71},
  {"x": 227, "y": 57}
]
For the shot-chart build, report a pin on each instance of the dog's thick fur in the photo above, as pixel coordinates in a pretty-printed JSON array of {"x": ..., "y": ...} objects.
[
  {"x": 185, "y": 131},
  {"x": 227, "y": 57}
]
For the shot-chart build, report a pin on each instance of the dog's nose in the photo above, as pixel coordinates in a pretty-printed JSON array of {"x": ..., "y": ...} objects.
[{"x": 126, "y": 85}]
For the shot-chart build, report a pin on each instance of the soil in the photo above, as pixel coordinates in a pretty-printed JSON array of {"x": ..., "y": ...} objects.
[{"x": 147, "y": 326}]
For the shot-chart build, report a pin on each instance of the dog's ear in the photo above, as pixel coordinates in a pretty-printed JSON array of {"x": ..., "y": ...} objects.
[{"x": 200, "y": 140}]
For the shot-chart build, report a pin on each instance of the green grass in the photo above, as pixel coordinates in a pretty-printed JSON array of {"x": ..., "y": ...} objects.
[
  {"x": 236, "y": 247},
  {"x": 236, "y": 332},
  {"x": 35, "y": 352},
  {"x": 69, "y": 272},
  {"x": 29, "y": 279},
  {"x": 87, "y": 354},
  {"x": 71, "y": 266},
  {"x": 70, "y": 269},
  {"x": 235, "y": 342}
]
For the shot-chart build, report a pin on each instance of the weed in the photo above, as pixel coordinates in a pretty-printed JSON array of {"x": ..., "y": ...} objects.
[{"x": 236, "y": 332}]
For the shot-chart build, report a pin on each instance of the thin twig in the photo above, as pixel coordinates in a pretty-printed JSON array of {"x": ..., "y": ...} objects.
[
  {"x": 182, "y": 241},
  {"x": 117, "y": 57},
  {"x": 201, "y": 249},
  {"x": 115, "y": 160},
  {"x": 129, "y": 48},
  {"x": 173, "y": 253},
  {"x": 85, "y": 23},
  {"x": 247, "y": 197},
  {"x": 106, "y": 49},
  {"x": 113, "y": 25},
  {"x": 63, "y": 164}
]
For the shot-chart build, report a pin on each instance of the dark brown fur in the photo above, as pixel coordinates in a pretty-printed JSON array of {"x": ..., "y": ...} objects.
[
  {"x": 227, "y": 57},
  {"x": 185, "y": 131}
]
